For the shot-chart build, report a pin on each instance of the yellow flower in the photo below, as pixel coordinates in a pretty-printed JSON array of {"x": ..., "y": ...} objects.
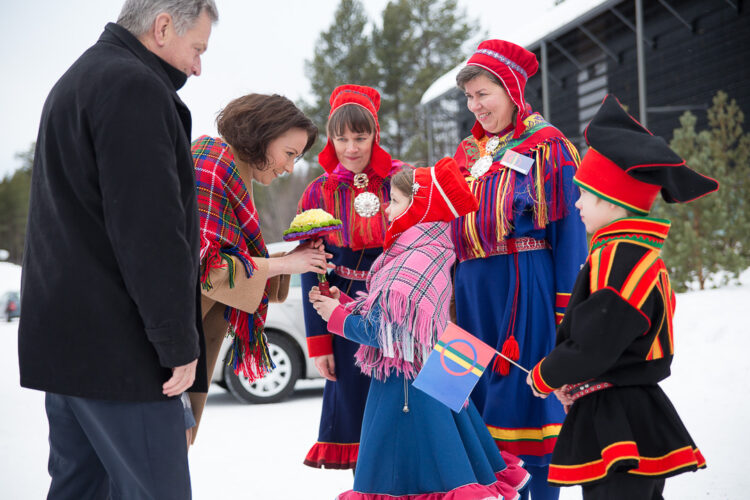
[{"x": 312, "y": 217}]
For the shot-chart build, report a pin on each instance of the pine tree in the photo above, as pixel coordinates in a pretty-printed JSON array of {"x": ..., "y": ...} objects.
[
  {"x": 710, "y": 237},
  {"x": 419, "y": 41},
  {"x": 14, "y": 206},
  {"x": 342, "y": 54}
]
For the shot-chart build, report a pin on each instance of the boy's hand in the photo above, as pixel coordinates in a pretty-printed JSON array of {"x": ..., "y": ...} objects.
[
  {"x": 325, "y": 306},
  {"x": 531, "y": 384},
  {"x": 562, "y": 395}
]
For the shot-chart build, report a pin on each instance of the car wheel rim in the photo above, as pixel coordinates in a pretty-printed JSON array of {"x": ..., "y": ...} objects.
[{"x": 274, "y": 382}]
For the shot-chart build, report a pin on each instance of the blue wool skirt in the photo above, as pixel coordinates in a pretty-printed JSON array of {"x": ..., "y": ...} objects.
[
  {"x": 521, "y": 424},
  {"x": 428, "y": 451}
]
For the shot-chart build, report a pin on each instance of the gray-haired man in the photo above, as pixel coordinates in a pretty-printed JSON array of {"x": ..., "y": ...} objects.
[{"x": 111, "y": 325}]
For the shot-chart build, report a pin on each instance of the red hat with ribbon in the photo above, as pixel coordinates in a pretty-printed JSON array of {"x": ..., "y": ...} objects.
[
  {"x": 439, "y": 193},
  {"x": 368, "y": 98},
  {"x": 513, "y": 65},
  {"x": 629, "y": 166}
]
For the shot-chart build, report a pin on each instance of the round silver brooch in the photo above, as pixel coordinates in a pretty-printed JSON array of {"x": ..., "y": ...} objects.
[{"x": 366, "y": 204}]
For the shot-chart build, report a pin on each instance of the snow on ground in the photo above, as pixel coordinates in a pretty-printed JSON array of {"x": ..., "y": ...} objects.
[{"x": 256, "y": 452}]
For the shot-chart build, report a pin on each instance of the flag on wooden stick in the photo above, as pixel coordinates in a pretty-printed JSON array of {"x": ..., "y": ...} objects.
[{"x": 454, "y": 367}]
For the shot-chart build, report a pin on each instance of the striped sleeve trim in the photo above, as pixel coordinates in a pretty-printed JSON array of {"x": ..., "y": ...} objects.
[{"x": 540, "y": 385}]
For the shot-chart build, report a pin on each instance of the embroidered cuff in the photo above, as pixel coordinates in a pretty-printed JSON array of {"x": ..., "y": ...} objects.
[
  {"x": 539, "y": 384},
  {"x": 319, "y": 345},
  {"x": 336, "y": 321}
]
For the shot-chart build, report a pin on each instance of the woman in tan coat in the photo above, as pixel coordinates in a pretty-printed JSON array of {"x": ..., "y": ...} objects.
[{"x": 261, "y": 136}]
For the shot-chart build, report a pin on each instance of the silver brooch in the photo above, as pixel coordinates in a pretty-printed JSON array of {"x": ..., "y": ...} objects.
[
  {"x": 492, "y": 144},
  {"x": 481, "y": 166},
  {"x": 366, "y": 204},
  {"x": 361, "y": 180},
  {"x": 415, "y": 187}
]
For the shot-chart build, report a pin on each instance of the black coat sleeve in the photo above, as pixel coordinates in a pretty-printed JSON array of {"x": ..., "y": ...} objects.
[
  {"x": 135, "y": 137},
  {"x": 600, "y": 329}
]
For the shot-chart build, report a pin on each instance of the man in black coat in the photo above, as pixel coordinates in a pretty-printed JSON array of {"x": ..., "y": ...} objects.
[{"x": 111, "y": 327}]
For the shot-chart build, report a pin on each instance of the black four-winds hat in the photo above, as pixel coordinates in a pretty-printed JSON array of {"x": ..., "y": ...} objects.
[{"x": 628, "y": 165}]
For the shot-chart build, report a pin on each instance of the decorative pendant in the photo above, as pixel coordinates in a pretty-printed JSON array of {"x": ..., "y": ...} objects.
[
  {"x": 361, "y": 181},
  {"x": 366, "y": 204},
  {"x": 481, "y": 166},
  {"x": 492, "y": 144}
]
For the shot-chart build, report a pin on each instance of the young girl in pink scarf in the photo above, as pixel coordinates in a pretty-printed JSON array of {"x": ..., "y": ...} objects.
[{"x": 412, "y": 446}]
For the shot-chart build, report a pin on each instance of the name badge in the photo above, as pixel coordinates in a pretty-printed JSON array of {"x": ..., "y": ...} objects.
[{"x": 517, "y": 162}]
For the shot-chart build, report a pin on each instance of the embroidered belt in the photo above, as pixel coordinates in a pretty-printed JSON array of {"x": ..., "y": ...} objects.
[
  {"x": 585, "y": 388},
  {"x": 351, "y": 274},
  {"x": 515, "y": 245}
]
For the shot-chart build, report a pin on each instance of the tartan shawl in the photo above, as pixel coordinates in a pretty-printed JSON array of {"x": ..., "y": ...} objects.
[
  {"x": 230, "y": 228},
  {"x": 408, "y": 296}
]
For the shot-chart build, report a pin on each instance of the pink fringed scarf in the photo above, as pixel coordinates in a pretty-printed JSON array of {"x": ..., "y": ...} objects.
[{"x": 411, "y": 284}]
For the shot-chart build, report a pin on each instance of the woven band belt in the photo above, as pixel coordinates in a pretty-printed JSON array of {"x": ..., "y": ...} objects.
[
  {"x": 351, "y": 274},
  {"x": 585, "y": 388},
  {"x": 515, "y": 245}
]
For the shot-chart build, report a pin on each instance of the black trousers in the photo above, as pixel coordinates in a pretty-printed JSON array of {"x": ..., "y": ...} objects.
[
  {"x": 623, "y": 486},
  {"x": 116, "y": 449}
]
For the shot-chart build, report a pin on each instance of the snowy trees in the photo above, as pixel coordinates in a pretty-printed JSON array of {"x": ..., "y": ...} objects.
[{"x": 710, "y": 238}]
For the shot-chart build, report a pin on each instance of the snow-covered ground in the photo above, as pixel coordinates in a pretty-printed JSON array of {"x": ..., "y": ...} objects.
[{"x": 256, "y": 452}]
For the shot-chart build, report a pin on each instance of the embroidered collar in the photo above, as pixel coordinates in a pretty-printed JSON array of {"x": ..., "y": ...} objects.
[{"x": 641, "y": 230}]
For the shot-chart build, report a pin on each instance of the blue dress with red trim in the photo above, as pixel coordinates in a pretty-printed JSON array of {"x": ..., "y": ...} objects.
[
  {"x": 415, "y": 448},
  {"x": 354, "y": 249},
  {"x": 518, "y": 257}
]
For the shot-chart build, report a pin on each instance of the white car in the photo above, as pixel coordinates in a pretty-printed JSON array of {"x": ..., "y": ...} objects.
[{"x": 285, "y": 329}]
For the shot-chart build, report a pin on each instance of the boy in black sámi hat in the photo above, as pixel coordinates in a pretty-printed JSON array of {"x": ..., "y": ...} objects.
[{"x": 621, "y": 437}]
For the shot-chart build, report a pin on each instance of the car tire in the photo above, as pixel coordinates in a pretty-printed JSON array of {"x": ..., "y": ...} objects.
[{"x": 277, "y": 385}]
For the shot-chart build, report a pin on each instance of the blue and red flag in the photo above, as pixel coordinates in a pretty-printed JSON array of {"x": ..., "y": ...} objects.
[{"x": 454, "y": 367}]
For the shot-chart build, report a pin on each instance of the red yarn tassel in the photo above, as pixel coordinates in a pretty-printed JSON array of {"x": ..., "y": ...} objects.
[{"x": 510, "y": 350}]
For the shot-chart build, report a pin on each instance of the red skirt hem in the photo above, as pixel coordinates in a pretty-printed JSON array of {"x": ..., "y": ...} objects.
[
  {"x": 509, "y": 481},
  {"x": 332, "y": 456}
]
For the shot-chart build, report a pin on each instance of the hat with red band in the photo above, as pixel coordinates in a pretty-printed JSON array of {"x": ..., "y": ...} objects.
[
  {"x": 439, "y": 193},
  {"x": 513, "y": 65},
  {"x": 368, "y": 98},
  {"x": 628, "y": 165}
]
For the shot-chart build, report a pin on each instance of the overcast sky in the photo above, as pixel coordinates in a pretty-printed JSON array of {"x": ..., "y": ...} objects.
[{"x": 257, "y": 46}]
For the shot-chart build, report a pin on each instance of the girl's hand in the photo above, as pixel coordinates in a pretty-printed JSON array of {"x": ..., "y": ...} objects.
[
  {"x": 314, "y": 293},
  {"x": 325, "y": 306},
  {"x": 531, "y": 384},
  {"x": 326, "y": 366}
]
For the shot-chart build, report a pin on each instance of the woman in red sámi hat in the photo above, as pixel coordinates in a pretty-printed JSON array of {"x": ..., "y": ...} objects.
[
  {"x": 354, "y": 189},
  {"x": 518, "y": 255}
]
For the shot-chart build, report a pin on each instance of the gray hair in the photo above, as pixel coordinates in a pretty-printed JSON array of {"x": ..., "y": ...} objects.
[
  {"x": 138, "y": 16},
  {"x": 469, "y": 72}
]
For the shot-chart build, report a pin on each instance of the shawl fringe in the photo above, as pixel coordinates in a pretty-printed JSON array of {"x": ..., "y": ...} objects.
[
  {"x": 408, "y": 323},
  {"x": 229, "y": 228},
  {"x": 406, "y": 336},
  {"x": 476, "y": 234}
]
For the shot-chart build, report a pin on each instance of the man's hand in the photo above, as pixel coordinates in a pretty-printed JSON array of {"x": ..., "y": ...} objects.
[
  {"x": 326, "y": 366},
  {"x": 181, "y": 380}
]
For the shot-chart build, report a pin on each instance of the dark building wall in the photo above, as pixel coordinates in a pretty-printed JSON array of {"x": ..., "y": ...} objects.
[
  {"x": 684, "y": 67},
  {"x": 687, "y": 68}
]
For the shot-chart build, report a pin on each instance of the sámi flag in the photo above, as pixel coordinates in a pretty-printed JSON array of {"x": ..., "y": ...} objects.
[{"x": 454, "y": 367}]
